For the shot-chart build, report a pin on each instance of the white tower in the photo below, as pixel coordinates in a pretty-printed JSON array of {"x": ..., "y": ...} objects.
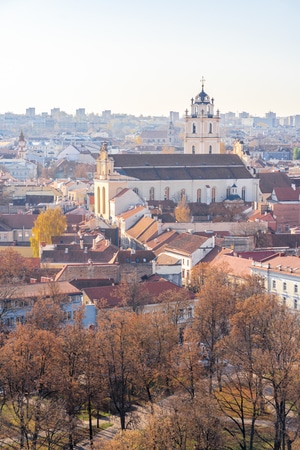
[{"x": 202, "y": 128}]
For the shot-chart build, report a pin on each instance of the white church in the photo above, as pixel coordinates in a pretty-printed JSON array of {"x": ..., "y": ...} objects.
[{"x": 201, "y": 174}]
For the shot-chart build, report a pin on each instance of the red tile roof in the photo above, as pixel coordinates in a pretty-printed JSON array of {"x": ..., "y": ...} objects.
[
  {"x": 186, "y": 243},
  {"x": 153, "y": 287},
  {"x": 287, "y": 193}
]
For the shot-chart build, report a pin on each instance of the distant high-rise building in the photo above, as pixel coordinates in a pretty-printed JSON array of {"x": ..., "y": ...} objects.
[
  {"x": 30, "y": 112},
  {"x": 80, "y": 113},
  {"x": 202, "y": 127},
  {"x": 297, "y": 120},
  {"x": 243, "y": 115},
  {"x": 55, "y": 112},
  {"x": 270, "y": 115},
  {"x": 174, "y": 116},
  {"x": 106, "y": 114}
]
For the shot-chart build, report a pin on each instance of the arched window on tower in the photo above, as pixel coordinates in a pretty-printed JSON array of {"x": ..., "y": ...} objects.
[
  {"x": 213, "y": 195},
  {"x": 151, "y": 193},
  {"x": 198, "y": 195},
  {"x": 210, "y": 128},
  {"x": 98, "y": 200},
  {"x": 193, "y": 149},
  {"x": 210, "y": 149},
  {"x": 244, "y": 193},
  {"x": 194, "y": 128},
  {"x": 167, "y": 193},
  {"x": 103, "y": 201}
]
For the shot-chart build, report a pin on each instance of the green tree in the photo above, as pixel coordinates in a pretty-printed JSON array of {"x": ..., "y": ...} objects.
[
  {"x": 296, "y": 153},
  {"x": 49, "y": 223}
]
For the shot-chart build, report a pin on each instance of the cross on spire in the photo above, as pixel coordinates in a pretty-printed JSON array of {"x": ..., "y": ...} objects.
[{"x": 202, "y": 80}]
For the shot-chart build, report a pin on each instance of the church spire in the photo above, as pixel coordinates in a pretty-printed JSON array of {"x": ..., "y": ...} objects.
[{"x": 203, "y": 81}]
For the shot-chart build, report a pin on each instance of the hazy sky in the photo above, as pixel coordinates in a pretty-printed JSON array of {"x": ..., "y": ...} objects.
[{"x": 148, "y": 56}]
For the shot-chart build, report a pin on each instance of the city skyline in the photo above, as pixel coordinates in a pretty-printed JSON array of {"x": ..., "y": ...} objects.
[{"x": 148, "y": 58}]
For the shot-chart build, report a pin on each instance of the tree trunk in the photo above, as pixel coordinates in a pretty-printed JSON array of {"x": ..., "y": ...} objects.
[{"x": 90, "y": 422}]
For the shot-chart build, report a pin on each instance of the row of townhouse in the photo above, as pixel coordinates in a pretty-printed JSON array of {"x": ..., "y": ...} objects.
[
  {"x": 92, "y": 294},
  {"x": 279, "y": 272}
]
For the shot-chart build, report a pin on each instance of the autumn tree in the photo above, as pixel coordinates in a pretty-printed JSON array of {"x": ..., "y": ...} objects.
[
  {"x": 222, "y": 213},
  {"x": 153, "y": 340},
  {"x": 133, "y": 295},
  {"x": 94, "y": 380},
  {"x": 182, "y": 211},
  {"x": 117, "y": 355},
  {"x": 71, "y": 380},
  {"x": 262, "y": 349},
  {"x": 185, "y": 370},
  {"x": 27, "y": 373},
  {"x": 49, "y": 223},
  {"x": 176, "y": 305},
  {"x": 178, "y": 424},
  {"x": 168, "y": 149},
  {"x": 215, "y": 306},
  {"x": 13, "y": 266},
  {"x": 197, "y": 277}
]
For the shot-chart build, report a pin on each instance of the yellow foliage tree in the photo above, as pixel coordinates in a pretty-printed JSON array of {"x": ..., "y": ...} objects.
[
  {"x": 168, "y": 149},
  {"x": 182, "y": 211},
  {"x": 49, "y": 223}
]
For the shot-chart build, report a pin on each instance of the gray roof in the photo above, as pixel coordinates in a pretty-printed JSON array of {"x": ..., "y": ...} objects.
[{"x": 181, "y": 167}]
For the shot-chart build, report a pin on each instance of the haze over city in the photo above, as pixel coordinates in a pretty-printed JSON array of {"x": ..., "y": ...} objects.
[{"x": 148, "y": 57}]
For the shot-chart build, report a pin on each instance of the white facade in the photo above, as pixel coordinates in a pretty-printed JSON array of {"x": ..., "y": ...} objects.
[
  {"x": 282, "y": 278},
  {"x": 195, "y": 190}
]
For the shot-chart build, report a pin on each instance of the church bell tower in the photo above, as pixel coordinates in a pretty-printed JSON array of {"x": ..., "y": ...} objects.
[{"x": 202, "y": 127}]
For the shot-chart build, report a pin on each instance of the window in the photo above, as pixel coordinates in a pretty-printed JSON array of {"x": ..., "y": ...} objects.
[
  {"x": 228, "y": 192},
  {"x": 210, "y": 128},
  {"x": 193, "y": 149},
  {"x": 182, "y": 194},
  {"x": 190, "y": 313},
  {"x": 244, "y": 193},
  {"x": 210, "y": 149},
  {"x": 167, "y": 193},
  {"x": 151, "y": 193},
  {"x": 198, "y": 195},
  {"x": 213, "y": 195},
  {"x": 295, "y": 303},
  {"x": 284, "y": 300},
  {"x": 296, "y": 288},
  {"x": 135, "y": 190},
  {"x": 274, "y": 284},
  {"x": 103, "y": 201},
  {"x": 284, "y": 286},
  {"x": 194, "y": 128}
]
